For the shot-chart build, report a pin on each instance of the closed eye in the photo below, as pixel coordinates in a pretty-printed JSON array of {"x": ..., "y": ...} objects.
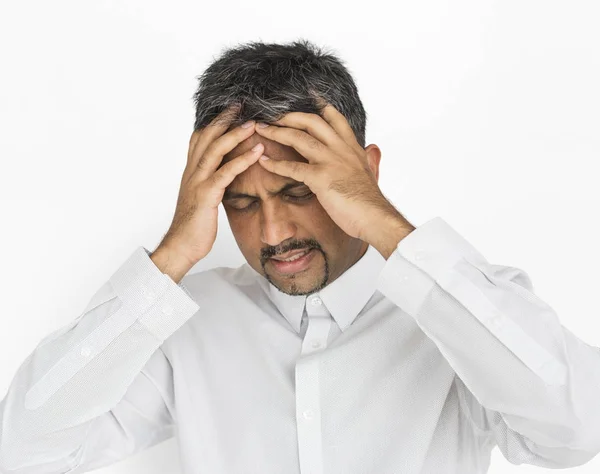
[
  {"x": 288, "y": 196},
  {"x": 300, "y": 198}
]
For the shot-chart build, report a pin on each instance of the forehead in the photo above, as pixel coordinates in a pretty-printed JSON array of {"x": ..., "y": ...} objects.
[
  {"x": 272, "y": 149},
  {"x": 271, "y": 189},
  {"x": 257, "y": 180}
]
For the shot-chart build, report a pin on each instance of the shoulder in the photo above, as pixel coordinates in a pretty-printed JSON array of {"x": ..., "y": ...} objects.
[{"x": 217, "y": 281}]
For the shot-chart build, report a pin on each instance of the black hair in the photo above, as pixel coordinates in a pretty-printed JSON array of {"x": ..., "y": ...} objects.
[{"x": 269, "y": 80}]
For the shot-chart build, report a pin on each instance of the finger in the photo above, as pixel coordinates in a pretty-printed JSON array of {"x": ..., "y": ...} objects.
[
  {"x": 225, "y": 175},
  {"x": 192, "y": 143},
  {"x": 213, "y": 155},
  {"x": 292, "y": 169},
  {"x": 338, "y": 122},
  {"x": 207, "y": 134},
  {"x": 203, "y": 137},
  {"x": 314, "y": 125},
  {"x": 305, "y": 144}
]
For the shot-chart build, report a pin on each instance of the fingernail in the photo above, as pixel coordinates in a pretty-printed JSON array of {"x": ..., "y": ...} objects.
[
  {"x": 262, "y": 125},
  {"x": 248, "y": 124},
  {"x": 264, "y": 157},
  {"x": 257, "y": 147}
]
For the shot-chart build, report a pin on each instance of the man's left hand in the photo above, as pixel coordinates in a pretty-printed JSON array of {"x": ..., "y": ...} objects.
[{"x": 337, "y": 171}]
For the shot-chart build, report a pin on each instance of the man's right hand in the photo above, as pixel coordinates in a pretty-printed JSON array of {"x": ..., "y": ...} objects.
[{"x": 194, "y": 228}]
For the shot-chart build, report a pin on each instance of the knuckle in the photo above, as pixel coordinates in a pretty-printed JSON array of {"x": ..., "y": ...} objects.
[
  {"x": 313, "y": 143},
  {"x": 310, "y": 141},
  {"x": 220, "y": 146},
  {"x": 215, "y": 178},
  {"x": 210, "y": 149},
  {"x": 201, "y": 164}
]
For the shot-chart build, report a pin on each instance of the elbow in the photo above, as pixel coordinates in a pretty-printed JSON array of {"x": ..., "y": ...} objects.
[
  {"x": 586, "y": 437},
  {"x": 579, "y": 449}
]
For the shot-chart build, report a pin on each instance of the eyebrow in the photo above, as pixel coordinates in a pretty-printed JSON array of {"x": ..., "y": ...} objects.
[{"x": 229, "y": 195}]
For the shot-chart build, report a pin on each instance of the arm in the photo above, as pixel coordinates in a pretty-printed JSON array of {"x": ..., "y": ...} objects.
[
  {"x": 96, "y": 390},
  {"x": 524, "y": 378}
]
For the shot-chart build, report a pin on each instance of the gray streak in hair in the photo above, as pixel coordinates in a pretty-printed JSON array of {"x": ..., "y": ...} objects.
[{"x": 269, "y": 80}]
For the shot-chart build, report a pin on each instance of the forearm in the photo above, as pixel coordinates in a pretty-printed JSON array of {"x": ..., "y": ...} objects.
[
  {"x": 170, "y": 263},
  {"x": 388, "y": 230}
]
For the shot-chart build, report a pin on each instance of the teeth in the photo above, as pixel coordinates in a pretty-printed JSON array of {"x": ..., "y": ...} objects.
[{"x": 295, "y": 257}]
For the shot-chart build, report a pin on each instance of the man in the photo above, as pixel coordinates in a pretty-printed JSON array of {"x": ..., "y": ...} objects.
[{"x": 349, "y": 342}]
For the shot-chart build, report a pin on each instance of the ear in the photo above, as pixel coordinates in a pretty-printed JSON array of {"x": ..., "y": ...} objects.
[{"x": 374, "y": 157}]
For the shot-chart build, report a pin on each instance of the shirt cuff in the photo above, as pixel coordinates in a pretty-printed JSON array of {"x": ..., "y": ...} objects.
[
  {"x": 423, "y": 256},
  {"x": 162, "y": 304},
  {"x": 433, "y": 255}
]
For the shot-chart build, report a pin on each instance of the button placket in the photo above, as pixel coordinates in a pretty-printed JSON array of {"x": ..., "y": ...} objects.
[
  {"x": 317, "y": 337},
  {"x": 308, "y": 402}
]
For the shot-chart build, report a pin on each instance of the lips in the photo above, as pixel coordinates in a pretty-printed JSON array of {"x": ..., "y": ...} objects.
[
  {"x": 298, "y": 265},
  {"x": 290, "y": 254}
]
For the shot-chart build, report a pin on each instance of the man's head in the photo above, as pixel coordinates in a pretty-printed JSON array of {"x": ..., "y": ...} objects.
[{"x": 272, "y": 215}]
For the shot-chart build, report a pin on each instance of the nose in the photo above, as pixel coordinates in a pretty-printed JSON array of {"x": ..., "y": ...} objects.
[{"x": 276, "y": 224}]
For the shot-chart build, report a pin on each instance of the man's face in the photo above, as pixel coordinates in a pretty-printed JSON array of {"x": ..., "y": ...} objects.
[{"x": 277, "y": 220}]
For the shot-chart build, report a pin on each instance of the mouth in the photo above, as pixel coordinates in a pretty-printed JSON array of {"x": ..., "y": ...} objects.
[{"x": 295, "y": 263}]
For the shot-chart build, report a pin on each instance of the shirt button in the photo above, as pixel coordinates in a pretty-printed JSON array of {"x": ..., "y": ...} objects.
[
  {"x": 316, "y": 344},
  {"x": 148, "y": 294},
  {"x": 168, "y": 310},
  {"x": 308, "y": 414},
  {"x": 315, "y": 301},
  {"x": 86, "y": 351}
]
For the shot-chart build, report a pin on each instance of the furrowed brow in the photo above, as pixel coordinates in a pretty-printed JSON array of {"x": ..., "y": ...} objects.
[{"x": 230, "y": 195}]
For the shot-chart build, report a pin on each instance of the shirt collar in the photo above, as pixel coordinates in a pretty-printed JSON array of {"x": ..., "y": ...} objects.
[{"x": 344, "y": 298}]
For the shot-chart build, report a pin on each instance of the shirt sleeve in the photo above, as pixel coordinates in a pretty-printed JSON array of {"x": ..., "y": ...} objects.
[
  {"x": 523, "y": 378},
  {"x": 96, "y": 390}
]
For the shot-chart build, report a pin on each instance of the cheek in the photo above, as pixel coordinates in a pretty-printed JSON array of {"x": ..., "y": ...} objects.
[
  {"x": 238, "y": 225},
  {"x": 317, "y": 218},
  {"x": 246, "y": 231},
  {"x": 241, "y": 229}
]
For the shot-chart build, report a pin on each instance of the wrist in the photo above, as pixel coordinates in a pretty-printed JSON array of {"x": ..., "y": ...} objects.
[
  {"x": 388, "y": 232},
  {"x": 171, "y": 262}
]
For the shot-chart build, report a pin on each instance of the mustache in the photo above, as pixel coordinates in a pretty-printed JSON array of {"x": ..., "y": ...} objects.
[{"x": 307, "y": 245}]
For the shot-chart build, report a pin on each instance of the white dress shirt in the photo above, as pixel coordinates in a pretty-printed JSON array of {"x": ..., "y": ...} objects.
[{"x": 420, "y": 364}]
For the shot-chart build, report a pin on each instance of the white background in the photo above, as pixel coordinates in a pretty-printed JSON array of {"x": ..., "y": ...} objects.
[{"x": 486, "y": 112}]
